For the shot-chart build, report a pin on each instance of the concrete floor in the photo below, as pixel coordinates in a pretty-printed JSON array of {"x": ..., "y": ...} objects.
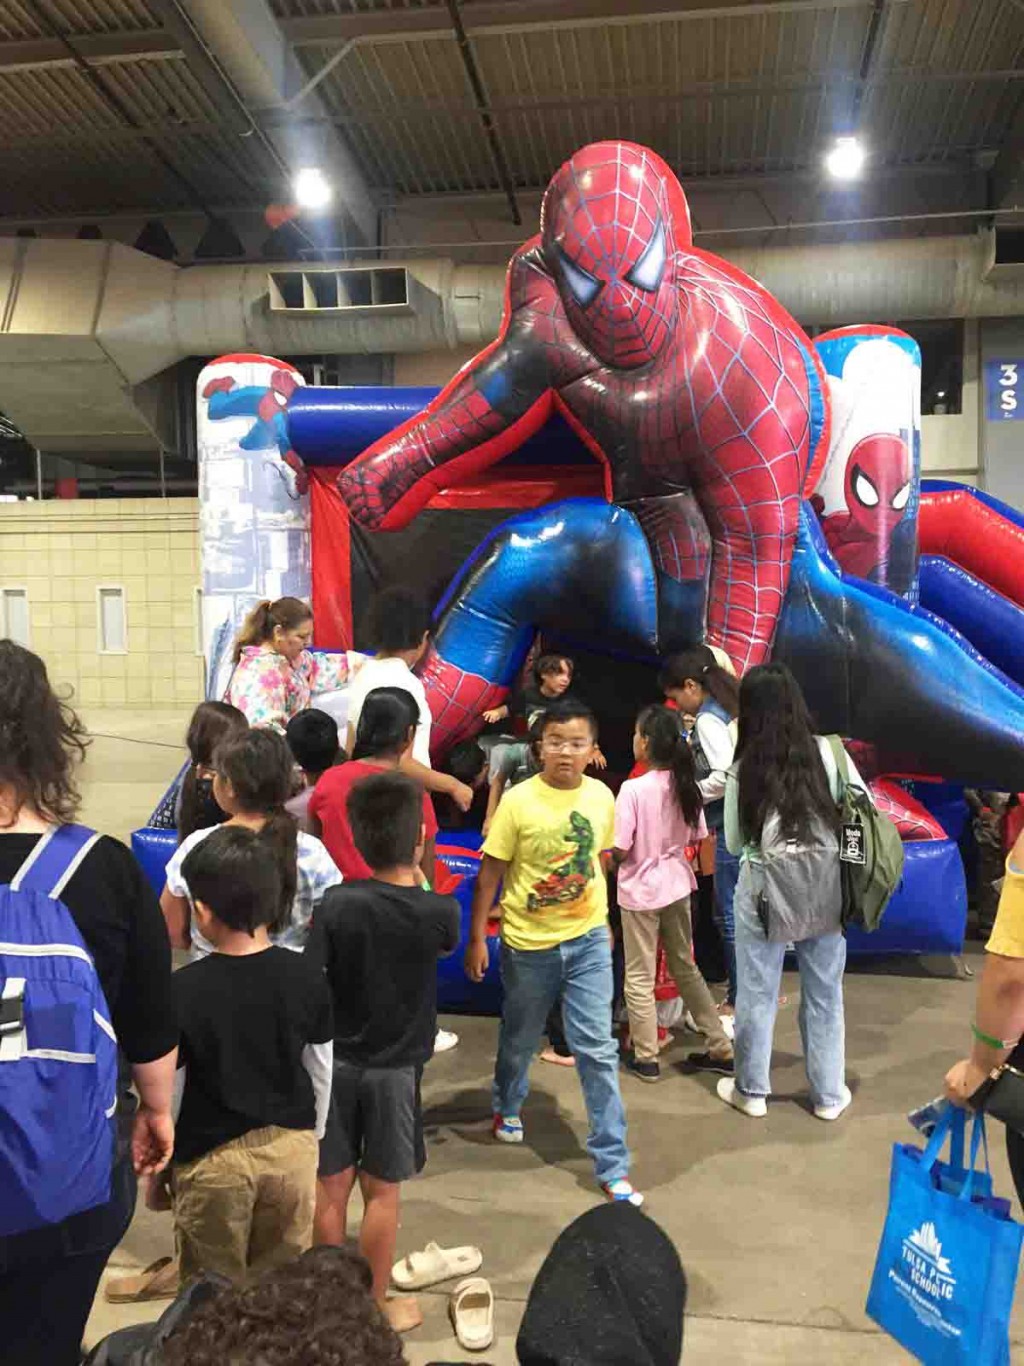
[{"x": 776, "y": 1221}]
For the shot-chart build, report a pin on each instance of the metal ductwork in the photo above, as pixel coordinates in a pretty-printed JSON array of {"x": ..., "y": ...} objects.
[{"x": 89, "y": 331}]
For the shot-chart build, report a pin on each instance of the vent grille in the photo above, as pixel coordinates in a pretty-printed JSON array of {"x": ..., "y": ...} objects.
[{"x": 340, "y": 290}]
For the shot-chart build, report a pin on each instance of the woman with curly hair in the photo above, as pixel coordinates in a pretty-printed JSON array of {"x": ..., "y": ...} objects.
[{"x": 49, "y": 1270}]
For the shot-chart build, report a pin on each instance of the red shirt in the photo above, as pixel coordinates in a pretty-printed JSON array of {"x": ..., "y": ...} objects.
[{"x": 329, "y": 804}]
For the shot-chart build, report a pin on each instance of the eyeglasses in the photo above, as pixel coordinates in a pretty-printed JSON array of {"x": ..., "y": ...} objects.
[{"x": 567, "y": 746}]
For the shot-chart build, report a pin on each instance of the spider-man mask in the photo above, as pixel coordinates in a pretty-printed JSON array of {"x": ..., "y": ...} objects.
[
  {"x": 609, "y": 240},
  {"x": 878, "y": 474}
]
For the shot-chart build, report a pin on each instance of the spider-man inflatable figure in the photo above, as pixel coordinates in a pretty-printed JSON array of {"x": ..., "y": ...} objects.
[{"x": 686, "y": 378}]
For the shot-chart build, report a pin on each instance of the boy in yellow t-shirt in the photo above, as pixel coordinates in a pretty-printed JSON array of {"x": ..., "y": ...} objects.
[{"x": 545, "y": 847}]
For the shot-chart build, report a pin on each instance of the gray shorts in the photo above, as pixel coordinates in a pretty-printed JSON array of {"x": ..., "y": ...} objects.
[{"x": 374, "y": 1123}]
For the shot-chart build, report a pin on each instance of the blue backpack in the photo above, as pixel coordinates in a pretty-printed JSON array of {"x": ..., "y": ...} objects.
[{"x": 58, "y": 1050}]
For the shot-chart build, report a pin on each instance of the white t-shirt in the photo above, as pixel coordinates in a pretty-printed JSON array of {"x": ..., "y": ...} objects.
[
  {"x": 316, "y": 872},
  {"x": 392, "y": 673}
]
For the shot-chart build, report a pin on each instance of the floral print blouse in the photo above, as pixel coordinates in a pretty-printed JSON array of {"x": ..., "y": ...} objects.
[{"x": 270, "y": 691}]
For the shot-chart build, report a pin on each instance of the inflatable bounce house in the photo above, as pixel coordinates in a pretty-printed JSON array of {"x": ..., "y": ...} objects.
[{"x": 652, "y": 453}]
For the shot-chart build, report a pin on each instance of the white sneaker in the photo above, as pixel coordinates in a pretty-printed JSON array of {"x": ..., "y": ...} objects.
[
  {"x": 754, "y": 1106},
  {"x": 830, "y": 1112},
  {"x": 444, "y": 1040}
]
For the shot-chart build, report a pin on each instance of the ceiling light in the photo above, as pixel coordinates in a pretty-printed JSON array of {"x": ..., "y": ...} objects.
[
  {"x": 845, "y": 160},
  {"x": 941, "y": 394},
  {"x": 312, "y": 189}
]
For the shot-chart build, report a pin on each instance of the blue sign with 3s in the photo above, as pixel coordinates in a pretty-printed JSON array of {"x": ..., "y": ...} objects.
[{"x": 1004, "y": 390}]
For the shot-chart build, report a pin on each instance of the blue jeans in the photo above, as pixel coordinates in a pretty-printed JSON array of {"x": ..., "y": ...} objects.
[
  {"x": 822, "y": 1023},
  {"x": 727, "y": 871},
  {"x": 579, "y": 972}
]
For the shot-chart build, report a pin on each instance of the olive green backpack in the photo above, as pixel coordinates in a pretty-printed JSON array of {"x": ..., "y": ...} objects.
[{"x": 870, "y": 851}]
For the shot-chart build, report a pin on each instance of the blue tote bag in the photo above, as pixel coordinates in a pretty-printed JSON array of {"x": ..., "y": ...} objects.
[{"x": 947, "y": 1263}]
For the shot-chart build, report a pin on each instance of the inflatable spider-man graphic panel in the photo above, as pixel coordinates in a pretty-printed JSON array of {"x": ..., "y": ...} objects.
[{"x": 689, "y": 416}]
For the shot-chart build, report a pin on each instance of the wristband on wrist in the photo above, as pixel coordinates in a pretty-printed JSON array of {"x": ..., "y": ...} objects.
[{"x": 990, "y": 1041}]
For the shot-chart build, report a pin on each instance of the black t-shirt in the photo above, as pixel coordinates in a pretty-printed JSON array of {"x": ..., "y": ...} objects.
[
  {"x": 529, "y": 700},
  {"x": 379, "y": 945},
  {"x": 119, "y": 918},
  {"x": 244, "y": 1023}
]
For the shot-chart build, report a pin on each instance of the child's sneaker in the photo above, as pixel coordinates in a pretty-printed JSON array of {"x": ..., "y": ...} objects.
[
  {"x": 508, "y": 1129},
  {"x": 707, "y": 1062},
  {"x": 643, "y": 1071},
  {"x": 622, "y": 1193}
]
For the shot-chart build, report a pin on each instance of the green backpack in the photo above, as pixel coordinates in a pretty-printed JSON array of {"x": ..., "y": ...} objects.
[{"x": 870, "y": 851}]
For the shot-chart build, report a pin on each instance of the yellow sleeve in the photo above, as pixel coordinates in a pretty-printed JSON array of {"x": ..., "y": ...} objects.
[
  {"x": 503, "y": 835},
  {"x": 1007, "y": 937}
]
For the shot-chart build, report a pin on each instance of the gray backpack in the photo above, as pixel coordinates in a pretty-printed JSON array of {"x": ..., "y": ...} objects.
[{"x": 799, "y": 894}]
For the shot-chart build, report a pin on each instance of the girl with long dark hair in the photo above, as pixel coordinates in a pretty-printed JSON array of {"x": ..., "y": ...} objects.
[
  {"x": 49, "y": 1271},
  {"x": 782, "y": 797},
  {"x": 211, "y": 723},
  {"x": 384, "y": 737},
  {"x": 658, "y": 817},
  {"x": 252, "y": 781},
  {"x": 701, "y": 687}
]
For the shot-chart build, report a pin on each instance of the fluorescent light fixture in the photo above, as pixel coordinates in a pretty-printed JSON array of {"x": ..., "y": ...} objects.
[
  {"x": 845, "y": 160},
  {"x": 312, "y": 189}
]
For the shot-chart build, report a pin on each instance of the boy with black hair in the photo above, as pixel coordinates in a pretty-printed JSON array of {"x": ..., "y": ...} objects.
[
  {"x": 256, "y": 1045},
  {"x": 468, "y": 763},
  {"x": 545, "y": 850},
  {"x": 552, "y": 679},
  {"x": 399, "y": 632},
  {"x": 379, "y": 941},
  {"x": 312, "y": 737}
]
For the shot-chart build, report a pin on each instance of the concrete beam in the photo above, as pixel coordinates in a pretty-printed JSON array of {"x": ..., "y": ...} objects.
[
  {"x": 245, "y": 49},
  {"x": 98, "y": 49}
]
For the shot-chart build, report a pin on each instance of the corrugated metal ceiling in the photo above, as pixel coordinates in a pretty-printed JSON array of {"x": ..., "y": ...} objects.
[
  {"x": 22, "y": 20},
  {"x": 733, "y": 94},
  {"x": 723, "y": 95}
]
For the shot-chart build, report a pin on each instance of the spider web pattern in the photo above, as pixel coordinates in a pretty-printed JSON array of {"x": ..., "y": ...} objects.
[
  {"x": 724, "y": 410},
  {"x": 457, "y": 699},
  {"x": 910, "y": 825},
  {"x": 677, "y": 536},
  {"x": 602, "y": 211}
]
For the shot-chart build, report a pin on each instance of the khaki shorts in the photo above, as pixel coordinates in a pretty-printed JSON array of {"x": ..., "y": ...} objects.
[{"x": 247, "y": 1205}]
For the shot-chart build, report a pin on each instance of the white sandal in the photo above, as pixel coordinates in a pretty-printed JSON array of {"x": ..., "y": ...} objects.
[
  {"x": 435, "y": 1264},
  {"x": 472, "y": 1313}
]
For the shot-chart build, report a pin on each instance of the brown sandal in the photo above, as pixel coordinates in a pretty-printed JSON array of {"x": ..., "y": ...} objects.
[{"x": 159, "y": 1281}]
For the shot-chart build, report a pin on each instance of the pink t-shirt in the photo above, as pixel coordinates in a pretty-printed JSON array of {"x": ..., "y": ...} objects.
[{"x": 650, "y": 825}]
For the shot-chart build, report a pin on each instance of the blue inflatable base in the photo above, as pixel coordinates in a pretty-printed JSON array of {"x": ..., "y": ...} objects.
[{"x": 928, "y": 914}]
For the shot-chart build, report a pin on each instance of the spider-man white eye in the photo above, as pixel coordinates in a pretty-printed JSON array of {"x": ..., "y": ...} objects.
[
  {"x": 582, "y": 284},
  {"x": 901, "y": 499},
  {"x": 647, "y": 272},
  {"x": 865, "y": 490}
]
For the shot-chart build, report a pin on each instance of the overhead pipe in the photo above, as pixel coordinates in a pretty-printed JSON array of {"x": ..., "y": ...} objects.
[{"x": 67, "y": 305}]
